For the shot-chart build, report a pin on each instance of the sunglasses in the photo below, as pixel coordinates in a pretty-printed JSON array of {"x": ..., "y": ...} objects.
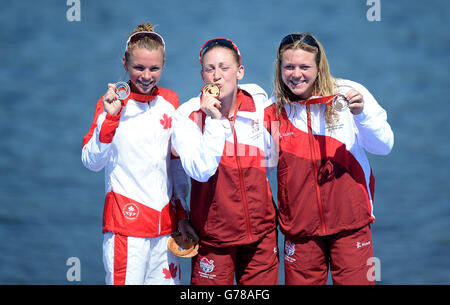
[
  {"x": 305, "y": 38},
  {"x": 221, "y": 42},
  {"x": 139, "y": 35}
]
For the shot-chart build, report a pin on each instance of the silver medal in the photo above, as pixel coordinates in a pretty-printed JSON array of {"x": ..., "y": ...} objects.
[
  {"x": 339, "y": 103},
  {"x": 122, "y": 90}
]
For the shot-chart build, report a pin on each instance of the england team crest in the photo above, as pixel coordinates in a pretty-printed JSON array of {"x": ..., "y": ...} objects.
[
  {"x": 289, "y": 250},
  {"x": 207, "y": 265}
]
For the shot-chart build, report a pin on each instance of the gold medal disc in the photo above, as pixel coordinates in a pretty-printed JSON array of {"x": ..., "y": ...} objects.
[{"x": 211, "y": 89}]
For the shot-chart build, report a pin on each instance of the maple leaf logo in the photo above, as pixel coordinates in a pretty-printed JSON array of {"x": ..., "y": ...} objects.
[
  {"x": 166, "y": 121},
  {"x": 171, "y": 272}
]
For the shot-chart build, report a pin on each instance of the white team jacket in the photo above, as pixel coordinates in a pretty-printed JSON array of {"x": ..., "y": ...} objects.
[{"x": 141, "y": 178}]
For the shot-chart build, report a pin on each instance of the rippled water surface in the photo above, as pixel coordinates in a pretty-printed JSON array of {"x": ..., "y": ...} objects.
[{"x": 54, "y": 71}]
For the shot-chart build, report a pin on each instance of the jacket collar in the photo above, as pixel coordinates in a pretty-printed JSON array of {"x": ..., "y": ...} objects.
[
  {"x": 143, "y": 98},
  {"x": 246, "y": 101}
]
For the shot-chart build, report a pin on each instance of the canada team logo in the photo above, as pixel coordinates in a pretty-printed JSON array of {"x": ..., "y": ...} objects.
[
  {"x": 166, "y": 121},
  {"x": 207, "y": 265},
  {"x": 130, "y": 211}
]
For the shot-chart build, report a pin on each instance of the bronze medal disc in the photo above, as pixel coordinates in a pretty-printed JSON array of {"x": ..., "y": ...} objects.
[{"x": 182, "y": 248}]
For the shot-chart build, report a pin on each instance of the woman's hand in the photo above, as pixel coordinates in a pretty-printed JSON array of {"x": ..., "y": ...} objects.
[
  {"x": 187, "y": 230},
  {"x": 210, "y": 105},
  {"x": 111, "y": 100},
  {"x": 355, "y": 101}
]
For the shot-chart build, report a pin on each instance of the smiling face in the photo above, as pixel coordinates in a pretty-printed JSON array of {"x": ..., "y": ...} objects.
[
  {"x": 144, "y": 68},
  {"x": 219, "y": 66},
  {"x": 299, "y": 72}
]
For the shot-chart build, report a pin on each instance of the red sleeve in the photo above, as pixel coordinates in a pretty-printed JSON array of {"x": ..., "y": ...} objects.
[
  {"x": 270, "y": 117},
  {"x": 109, "y": 127},
  {"x": 98, "y": 110}
]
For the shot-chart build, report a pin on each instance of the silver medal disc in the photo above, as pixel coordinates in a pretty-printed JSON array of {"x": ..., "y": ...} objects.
[
  {"x": 122, "y": 90},
  {"x": 339, "y": 103}
]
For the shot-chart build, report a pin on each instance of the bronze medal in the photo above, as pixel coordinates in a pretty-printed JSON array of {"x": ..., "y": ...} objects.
[{"x": 182, "y": 248}]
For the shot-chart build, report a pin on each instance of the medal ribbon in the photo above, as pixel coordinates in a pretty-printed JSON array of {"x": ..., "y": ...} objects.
[
  {"x": 233, "y": 118},
  {"x": 318, "y": 100}
]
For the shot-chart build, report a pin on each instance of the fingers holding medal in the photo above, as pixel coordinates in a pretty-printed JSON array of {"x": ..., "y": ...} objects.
[
  {"x": 209, "y": 100},
  {"x": 355, "y": 101}
]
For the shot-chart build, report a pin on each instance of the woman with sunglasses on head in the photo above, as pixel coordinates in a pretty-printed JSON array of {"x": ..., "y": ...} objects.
[
  {"x": 323, "y": 127},
  {"x": 146, "y": 188},
  {"x": 222, "y": 144}
]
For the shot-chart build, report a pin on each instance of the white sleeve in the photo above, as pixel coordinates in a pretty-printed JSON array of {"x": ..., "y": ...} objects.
[
  {"x": 271, "y": 147},
  {"x": 374, "y": 132},
  {"x": 200, "y": 153},
  {"x": 95, "y": 154}
]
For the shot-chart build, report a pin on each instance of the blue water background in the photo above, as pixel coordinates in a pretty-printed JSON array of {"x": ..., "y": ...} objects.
[{"x": 53, "y": 71}]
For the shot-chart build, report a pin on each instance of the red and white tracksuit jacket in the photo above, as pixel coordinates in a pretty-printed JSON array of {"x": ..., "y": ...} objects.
[
  {"x": 325, "y": 182},
  {"x": 231, "y": 202},
  {"x": 145, "y": 188}
]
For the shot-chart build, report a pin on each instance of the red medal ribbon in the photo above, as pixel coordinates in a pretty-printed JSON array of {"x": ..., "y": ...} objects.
[{"x": 318, "y": 100}]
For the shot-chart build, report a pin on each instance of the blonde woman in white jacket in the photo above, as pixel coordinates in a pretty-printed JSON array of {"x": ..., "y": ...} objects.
[{"x": 145, "y": 185}]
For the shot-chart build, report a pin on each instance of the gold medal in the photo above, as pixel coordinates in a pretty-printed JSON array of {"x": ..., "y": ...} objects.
[{"x": 211, "y": 89}]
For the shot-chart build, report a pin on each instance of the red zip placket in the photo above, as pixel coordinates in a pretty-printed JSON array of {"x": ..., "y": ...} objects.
[
  {"x": 241, "y": 178},
  {"x": 313, "y": 159}
]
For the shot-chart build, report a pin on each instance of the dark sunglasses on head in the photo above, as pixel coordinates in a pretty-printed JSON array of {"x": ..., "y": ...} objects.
[
  {"x": 221, "y": 42},
  {"x": 305, "y": 38}
]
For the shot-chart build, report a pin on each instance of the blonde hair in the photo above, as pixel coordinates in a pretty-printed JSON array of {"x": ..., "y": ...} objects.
[
  {"x": 145, "y": 42},
  {"x": 324, "y": 84}
]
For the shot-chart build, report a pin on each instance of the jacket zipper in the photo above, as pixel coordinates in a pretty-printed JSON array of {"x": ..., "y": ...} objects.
[
  {"x": 313, "y": 159},
  {"x": 159, "y": 224},
  {"x": 241, "y": 180}
]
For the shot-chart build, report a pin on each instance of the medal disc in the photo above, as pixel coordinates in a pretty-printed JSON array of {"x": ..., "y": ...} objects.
[
  {"x": 182, "y": 248},
  {"x": 122, "y": 90},
  {"x": 212, "y": 89},
  {"x": 339, "y": 103}
]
